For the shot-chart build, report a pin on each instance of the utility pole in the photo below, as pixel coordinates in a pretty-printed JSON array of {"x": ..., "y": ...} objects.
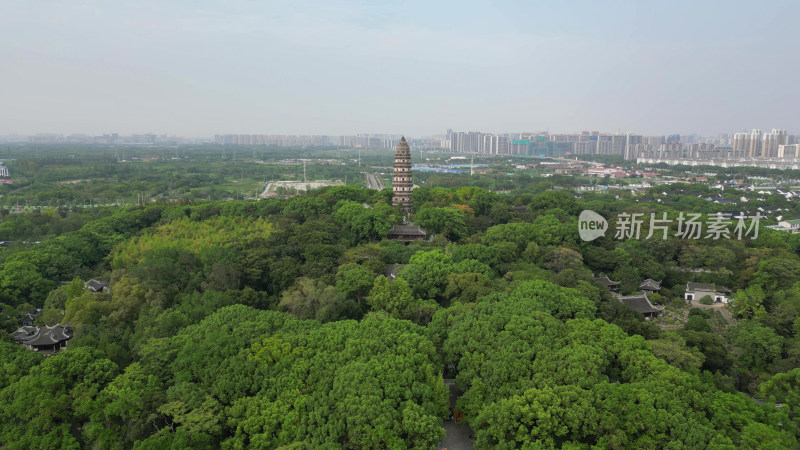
[
  {"x": 305, "y": 180},
  {"x": 472, "y": 165}
]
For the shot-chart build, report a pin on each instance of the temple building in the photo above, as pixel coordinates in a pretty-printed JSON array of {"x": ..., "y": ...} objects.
[
  {"x": 611, "y": 285},
  {"x": 401, "y": 184},
  {"x": 407, "y": 232},
  {"x": 641, "y": 304},
  {"x": 649, "y": 286},
  {"x": 45, "y": 339}
]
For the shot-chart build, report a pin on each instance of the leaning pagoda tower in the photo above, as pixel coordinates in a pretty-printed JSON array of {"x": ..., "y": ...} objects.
[{"x": 401, "y": 184}]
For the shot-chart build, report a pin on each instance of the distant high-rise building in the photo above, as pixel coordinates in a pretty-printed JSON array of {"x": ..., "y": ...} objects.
[
  {"x": 653, "y": 141},
  {"x": 789, "y": 151},
  {"x": 772, "y": 140},
  {"x": 755, "y": 143},
  {"x": 584, "y": 148},
  {"x": 741, "y": 141},
  {"x": 495, "y": 145},
  {"x": 618, "y": 142},
  {"x": 401, "y": 183}
]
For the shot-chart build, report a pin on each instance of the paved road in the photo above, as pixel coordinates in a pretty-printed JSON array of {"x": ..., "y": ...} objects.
[
  {"x": 266, "y": 190},
  {"x": 457, "y": 437},
  {"x": 374, "y": 182},
  {"x": 458, "y": 433}
]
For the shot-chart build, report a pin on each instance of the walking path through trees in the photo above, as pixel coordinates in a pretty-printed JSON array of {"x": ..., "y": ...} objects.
[{"x": 458, "y": 433}]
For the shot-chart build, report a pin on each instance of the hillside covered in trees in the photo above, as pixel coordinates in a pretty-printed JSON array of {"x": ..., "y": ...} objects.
[{"x": 273, "y": 324}]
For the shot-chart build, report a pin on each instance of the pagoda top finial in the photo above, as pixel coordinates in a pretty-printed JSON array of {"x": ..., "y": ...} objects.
[{"x": 402, "y": 145}]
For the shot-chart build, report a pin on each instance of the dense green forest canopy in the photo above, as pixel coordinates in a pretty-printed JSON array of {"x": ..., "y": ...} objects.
[{"x": 273, "y": 324}]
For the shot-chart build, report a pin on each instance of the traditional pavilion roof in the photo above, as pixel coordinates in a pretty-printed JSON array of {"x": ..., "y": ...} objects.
[
  {"x": 43, "y": 336},
  {"x": 607, "y": 281},
  {"x": 692, "y": 286},
  {"x": 407, "y": 230},
  {"x": 650, "y": 285},
  {"x": 96, "y": 286},
  {"x": 640, "y": 303},
  {"x": 24, "y": 332}
]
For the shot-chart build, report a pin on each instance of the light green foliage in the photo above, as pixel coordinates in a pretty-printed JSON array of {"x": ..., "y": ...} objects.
[
  {"x": 15, "y": 362},
  {"x": 38, "y": 409},
  {"x": 784, "y": 389},
  {"x": 393, "y": 297},
  {"x": 549, "y": 231},
  {"x": 427, "y": 273},
  {"x": 672, "y": 349},
  {"x": 447, "y": 221},
  {"x": 366, "y": 223},
  {"x": 748, "y": 302},
  {"x": 189, "y": 235},
  {"x": 526, "y": 332},
  {"x": 533, "y": 381},
  {"x": 267, "y": 379},
  {"x": 519, "y": 233},
  {"x": 563, "y": 303},
  {"x": 485, "y": 254}
]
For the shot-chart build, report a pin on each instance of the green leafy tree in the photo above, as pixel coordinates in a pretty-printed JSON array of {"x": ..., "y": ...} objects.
[
  {"x": 562, "y": 303},
  {"x": 354, "y": 281},
  {"x": 447, "y": 221},
  {"x": 394, "y": 297},
  {"x": 40, "y": 408},
  {"x": 748, "y": 303},
  {"x": 313, "y": 299},
  {"x": 759, "y": 345},
  {"x": 427, "y": 274},
  {"x": 21, "y": 282},
  {"x": 467, "y": 287}
]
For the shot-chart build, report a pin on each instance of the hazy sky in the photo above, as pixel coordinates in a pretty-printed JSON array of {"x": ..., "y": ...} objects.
[{"x": 196, "y": 68}]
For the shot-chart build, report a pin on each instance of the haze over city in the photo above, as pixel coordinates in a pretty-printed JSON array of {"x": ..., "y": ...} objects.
[{"x": 200, "y": 68}]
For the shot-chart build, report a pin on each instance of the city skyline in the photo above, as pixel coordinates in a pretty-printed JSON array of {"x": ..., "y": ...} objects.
[
  {"x": 728, "y": 135},
  {"x": 337, "y": 68}
]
